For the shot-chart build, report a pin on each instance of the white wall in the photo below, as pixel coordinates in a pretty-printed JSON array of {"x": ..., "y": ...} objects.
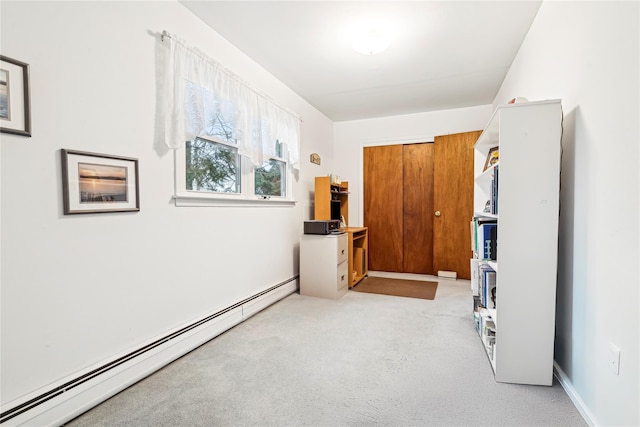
[
  {"x": 586, "y": 53},
  {"x": 79, "y": 290},
  {"x": 350, "y": 137}
]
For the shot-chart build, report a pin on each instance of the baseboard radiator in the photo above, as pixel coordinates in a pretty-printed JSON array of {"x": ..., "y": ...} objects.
[{"x": 62, "y": 403}]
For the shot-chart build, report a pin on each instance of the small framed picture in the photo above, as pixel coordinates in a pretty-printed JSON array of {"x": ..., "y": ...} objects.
[
  {"x": 492, "y": 158},
  {"x": 95, "y": 183},
  {"x": 15, "y": 107}
]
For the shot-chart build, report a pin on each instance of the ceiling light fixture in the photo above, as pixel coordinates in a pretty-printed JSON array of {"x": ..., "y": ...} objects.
[{"x": 371, "y": 41}]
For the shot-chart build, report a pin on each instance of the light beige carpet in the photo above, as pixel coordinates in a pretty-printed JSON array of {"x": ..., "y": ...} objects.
[
  {"x": 398, "y": 287},
  {"x": 365, "y": 360}
]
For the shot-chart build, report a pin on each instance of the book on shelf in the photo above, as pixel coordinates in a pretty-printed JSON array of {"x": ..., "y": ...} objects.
[
  {"x": 493, "y": 192},
  {"x": 489, "y": 289},
  {"x": 481, "y": 233},
  {"x": 486, "y": 245},
  {"x": 493, "y": 245},
  {"x": 484, "y": 271},
  {"x": 483, "y": 285},
  {"x": 475, "y": 279},
  {"x": 473, "y": 234}
]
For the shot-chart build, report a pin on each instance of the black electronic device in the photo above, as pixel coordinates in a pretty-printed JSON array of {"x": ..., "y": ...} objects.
[{"x": 322, "y": 226}]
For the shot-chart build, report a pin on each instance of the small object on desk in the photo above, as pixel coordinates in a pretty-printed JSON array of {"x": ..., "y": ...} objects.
[{"x": 321, "y": 226}]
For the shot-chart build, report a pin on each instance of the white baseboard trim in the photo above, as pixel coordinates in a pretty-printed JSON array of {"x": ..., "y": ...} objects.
[
  {"x": 566, "y": 384},
  {"x": 65, "y": 406}
]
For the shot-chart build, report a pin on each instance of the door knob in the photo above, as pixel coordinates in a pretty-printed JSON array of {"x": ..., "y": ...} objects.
[{"x": 437, "y": 213}]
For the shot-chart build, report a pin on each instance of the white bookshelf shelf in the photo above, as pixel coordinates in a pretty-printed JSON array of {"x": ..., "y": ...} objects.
[
  {"x": 486, "y": 175},
  {"x": 486, "y": 215}
]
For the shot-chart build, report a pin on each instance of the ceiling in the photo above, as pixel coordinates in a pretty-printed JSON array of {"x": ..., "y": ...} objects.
[{"x": 443, "y": 54}]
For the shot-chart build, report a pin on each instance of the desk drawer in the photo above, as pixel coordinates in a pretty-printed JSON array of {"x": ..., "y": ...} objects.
[
  {"x": 343, "y": 248},
  {"x": 343, "y": 275}
]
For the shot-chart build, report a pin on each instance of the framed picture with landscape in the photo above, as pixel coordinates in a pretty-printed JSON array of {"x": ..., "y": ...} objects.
[
  {"x": 95, "y": 183},
  {"x": 15, "y": 107}
]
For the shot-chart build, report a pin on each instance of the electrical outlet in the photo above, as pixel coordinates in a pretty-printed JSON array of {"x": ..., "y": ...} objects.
[{"x": 614, "y": 359}]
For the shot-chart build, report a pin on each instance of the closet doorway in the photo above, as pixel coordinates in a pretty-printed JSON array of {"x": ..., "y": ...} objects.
[{"x": 417, "y": 204}]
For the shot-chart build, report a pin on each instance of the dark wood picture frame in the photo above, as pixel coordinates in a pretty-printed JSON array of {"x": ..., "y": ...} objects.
[
  {"x": 15, "y": 98},
  {"x": 98, "y": 183},
  {"x": 492, "y": 158}
]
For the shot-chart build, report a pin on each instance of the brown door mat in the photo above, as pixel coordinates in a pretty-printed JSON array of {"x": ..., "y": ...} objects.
[{"x": 398, "y": 287}]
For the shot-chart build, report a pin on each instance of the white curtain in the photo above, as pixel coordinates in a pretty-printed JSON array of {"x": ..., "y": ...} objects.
[{"x": 202, "y": 98}]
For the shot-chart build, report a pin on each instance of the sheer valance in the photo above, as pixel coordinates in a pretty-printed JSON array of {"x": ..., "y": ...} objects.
[{"x": 202, "y": 98}]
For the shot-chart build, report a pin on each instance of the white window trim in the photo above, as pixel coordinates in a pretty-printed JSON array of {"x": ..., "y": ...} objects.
[{"x": 246, "y": 197}]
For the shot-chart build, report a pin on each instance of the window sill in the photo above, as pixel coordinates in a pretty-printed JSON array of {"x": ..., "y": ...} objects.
[{"x": 205, "y": 200}]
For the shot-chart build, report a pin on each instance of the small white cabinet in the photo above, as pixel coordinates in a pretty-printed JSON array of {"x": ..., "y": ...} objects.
[{"x": 324, "y": 266}]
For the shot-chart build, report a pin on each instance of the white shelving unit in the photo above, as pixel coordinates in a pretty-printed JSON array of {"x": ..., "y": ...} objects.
[{"x": 529, "y": 139}]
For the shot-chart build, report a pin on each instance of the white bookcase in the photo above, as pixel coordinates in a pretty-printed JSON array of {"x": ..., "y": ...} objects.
[{"x": 528, "y": 137}]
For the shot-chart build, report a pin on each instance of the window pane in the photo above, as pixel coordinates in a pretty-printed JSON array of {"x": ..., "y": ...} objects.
[
  {"x": 213, "y": 167},
  {"x": 271, "y": 178}
]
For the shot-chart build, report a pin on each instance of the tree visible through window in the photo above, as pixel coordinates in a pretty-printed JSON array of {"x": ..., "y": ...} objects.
[
  {"x": 270, "y": 179},
  {"x": 212, "y": 167}
]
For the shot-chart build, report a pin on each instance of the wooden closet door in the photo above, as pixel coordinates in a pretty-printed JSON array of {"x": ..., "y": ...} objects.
[
  {"x": 382, "y": 197},
  {"x": 453, "y": 198},
  {"x": 418, "y": 208}
]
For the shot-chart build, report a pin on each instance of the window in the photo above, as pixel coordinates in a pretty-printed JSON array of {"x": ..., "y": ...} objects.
[
  {"x": 210, "y": 171},
  {"x": 233, "y": 145},
  {"x": 212, "y": 168}
]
